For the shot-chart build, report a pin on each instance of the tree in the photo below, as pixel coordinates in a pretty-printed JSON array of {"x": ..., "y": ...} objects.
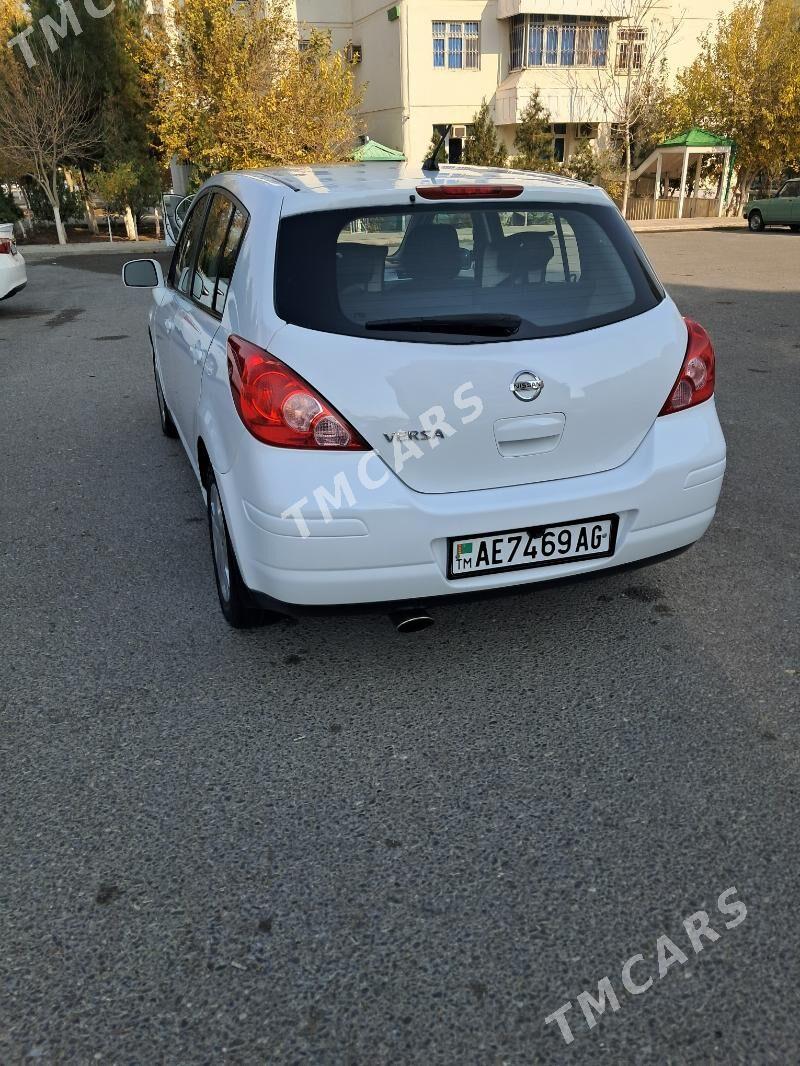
[
  {"x": 745, "y": 84},
  {"x": 582, "y": 164},
  {"x": 103, "y": 56},
  {"x": 534, "y": 137},
  {"x": 46, "y": 122},
  {"x": 12, "y": 18},
  {"x": 9, "y": 212},
  {"x": 127, "y": 188},
  {"x": 69, "y": 202},
  {"x": 623, "y": 90},
  {"x": 483, "y": 147},
  {"x": 231, "y": 88}
]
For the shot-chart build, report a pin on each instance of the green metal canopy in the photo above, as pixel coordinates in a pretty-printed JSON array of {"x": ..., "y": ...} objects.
[
  {"x": 696, "y": 138},
  {"x": 375, "y": 152}
]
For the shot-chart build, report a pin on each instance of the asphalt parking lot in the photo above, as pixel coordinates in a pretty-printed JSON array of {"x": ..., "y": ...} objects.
[{"x": 324, "y": 843}]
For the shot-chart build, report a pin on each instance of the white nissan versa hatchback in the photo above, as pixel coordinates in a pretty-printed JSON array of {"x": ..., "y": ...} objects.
[{"x": 396, "y": 386}]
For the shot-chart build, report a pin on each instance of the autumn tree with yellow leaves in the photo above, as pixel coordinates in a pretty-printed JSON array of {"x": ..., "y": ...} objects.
[
  {"x": 12, "y": 18},
  {"x": 745, "y": 84},
  {"x": 231, "y": 87}
]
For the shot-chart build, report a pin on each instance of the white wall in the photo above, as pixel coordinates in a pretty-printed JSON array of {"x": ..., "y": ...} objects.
[{"x": 405, "y": 95}]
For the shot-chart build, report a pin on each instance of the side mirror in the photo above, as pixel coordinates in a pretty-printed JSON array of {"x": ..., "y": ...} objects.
[{"x": 142, "y": 274}]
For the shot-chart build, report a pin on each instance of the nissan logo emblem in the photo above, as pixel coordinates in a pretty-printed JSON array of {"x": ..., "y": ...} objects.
[{"x": 526, "y": 385}]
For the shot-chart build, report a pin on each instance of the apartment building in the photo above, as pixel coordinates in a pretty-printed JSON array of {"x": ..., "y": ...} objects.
[{"x": 426, "y": 64}]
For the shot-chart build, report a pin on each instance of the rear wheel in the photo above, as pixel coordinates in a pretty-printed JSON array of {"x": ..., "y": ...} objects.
[
  {"x": 755, "y": 221},
  {"x": 234, "y": 598},
  {"x": 167, "y": 425}
]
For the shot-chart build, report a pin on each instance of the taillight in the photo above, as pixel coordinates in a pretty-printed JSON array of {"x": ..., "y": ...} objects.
[
  {"x": 6, "y": 248},
  {"x": 278, "y": 407},
  {"x": 696, "y": 380},
  {"x": 469, "y": 192}
]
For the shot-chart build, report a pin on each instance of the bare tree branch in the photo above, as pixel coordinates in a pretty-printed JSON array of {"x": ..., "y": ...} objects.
[
  {"x": 621, "y": 94},
  {"x": 46, "y": 121}
]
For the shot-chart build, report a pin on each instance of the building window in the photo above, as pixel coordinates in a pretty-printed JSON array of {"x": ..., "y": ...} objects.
[
  {"x": 559, "y": 140},
  {"x": 455, "y": 138},
  {"x": 535, "y": 40},
  {"x": 472, "y": 45},
  {"x": 630, "y": 47},
  {"x": 517, "y": 42},
  {"x": 557, "y": 41},
  {"x": 439, "y": 29},
  {"x": 457, "y": 45},
  {"x": 568, "y": 33}
]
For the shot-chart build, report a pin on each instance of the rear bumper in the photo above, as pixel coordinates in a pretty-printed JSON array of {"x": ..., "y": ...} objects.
[
  {"x": 459, "y": 595},
  {"x": 13, "y": 276},
  {"x": 389, "y": 545}
]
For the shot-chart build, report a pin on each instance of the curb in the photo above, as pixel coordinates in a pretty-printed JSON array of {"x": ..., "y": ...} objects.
[
  {"x": 133, "y": 249},
  {"x": 686, "y": 225}
]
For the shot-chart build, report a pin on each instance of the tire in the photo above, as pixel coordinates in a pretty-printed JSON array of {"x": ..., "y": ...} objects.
[
  {"x": 167, "y": 425},
  {"x": 755, "y": 221},
  {"x": 234, "y": 596}
]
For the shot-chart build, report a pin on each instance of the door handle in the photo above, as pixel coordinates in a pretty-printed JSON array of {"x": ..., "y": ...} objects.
[{"x": 528, "y": 435}]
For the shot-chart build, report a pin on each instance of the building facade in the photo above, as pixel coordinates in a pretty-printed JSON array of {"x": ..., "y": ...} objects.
[{"x": 427, "y": 64}]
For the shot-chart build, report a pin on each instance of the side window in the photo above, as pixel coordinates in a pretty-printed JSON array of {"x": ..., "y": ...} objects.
[
  {"x": 230, "y": 253},
  {"x": 184, "y": 253},
  {"x": 791, "y": 188},
  {"x": 209, "y": 258}
]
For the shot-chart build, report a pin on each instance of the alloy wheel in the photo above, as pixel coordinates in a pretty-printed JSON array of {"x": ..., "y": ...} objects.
[{"x": 219, "y": 541}]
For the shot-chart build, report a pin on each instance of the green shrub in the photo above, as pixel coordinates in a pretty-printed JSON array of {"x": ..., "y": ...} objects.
[{"x": 9, "y": 212}]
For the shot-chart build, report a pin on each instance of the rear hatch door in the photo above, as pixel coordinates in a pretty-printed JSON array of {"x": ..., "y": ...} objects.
[{"x": 601, "y": 392}]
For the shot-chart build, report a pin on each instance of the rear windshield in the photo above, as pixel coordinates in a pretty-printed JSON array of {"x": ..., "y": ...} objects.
[{"x": 451, "y": 275}]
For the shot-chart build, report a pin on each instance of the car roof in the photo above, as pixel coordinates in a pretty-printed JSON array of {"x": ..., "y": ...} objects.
[{"x": 340, "y": 184}]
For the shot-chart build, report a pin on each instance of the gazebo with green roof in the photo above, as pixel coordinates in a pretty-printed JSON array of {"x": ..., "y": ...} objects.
[
  {"x": 375, "y": 152},
  {"x": 671, "y": 158}
]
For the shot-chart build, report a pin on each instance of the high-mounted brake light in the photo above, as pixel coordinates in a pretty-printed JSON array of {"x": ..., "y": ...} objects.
[
  {"x": 278, "y": 407},
  {"x": 695, "y": 382},
  {"x": 469, "y": 192}
]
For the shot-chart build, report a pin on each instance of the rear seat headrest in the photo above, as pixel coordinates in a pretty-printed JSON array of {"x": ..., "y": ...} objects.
[
  {"x": 432, "y": 253},
  {"x": 361, "y": 265},
  {"x": 523, "y": 253}
]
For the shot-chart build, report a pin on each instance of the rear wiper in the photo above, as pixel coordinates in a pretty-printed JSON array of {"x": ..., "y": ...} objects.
[{"x": 474, "y": 325}]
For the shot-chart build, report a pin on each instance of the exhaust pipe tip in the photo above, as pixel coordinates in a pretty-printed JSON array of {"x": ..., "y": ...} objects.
[{"x": 411, "y": 620}]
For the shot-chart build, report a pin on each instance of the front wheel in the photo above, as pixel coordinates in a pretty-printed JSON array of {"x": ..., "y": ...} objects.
[
  {"x": 755, "y": 221},
  {"x": 234, "y": 598}
]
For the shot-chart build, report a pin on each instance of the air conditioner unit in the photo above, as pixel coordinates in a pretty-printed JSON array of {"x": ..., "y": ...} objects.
[
  {"x": 355, "y": 53},
  {"x": 459, "y": 132}
]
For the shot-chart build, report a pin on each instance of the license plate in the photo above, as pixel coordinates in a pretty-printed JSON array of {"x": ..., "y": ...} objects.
[{"x": 522, "y": 549}]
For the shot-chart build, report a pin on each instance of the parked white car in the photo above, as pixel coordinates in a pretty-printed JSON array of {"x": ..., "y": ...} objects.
[
  {"x": 397, "y": 386},
  {"x": 13, "y": 275}
]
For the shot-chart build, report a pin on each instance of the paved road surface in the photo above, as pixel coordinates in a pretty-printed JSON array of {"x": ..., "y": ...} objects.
[{"x": 322, "y": 843}]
